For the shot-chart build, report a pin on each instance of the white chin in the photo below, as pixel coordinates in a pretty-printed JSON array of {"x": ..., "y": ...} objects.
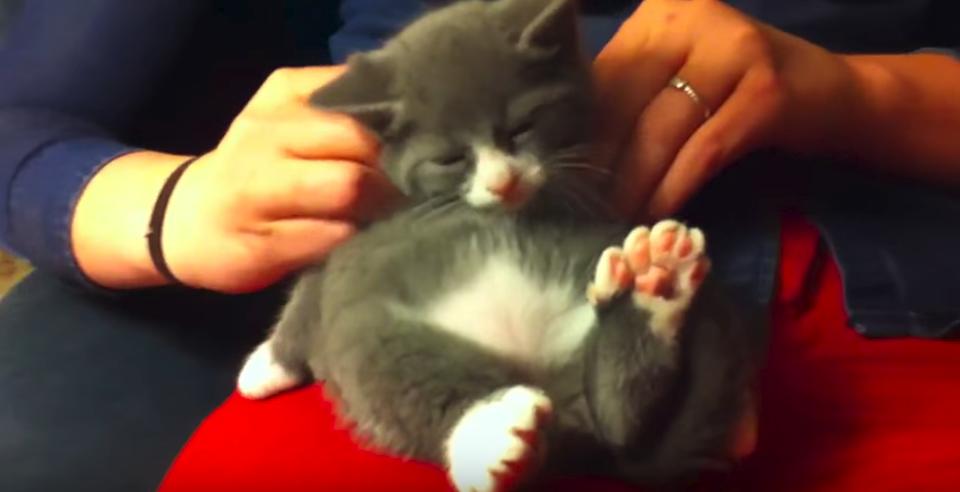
[
  {"x": 481, "y": 198},
  {"x": 490, "y": 201}
]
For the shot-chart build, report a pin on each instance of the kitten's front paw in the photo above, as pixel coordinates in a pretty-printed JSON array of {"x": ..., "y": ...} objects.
[
  {"x": 497, "y": 441},
  {"x": 664, "y": 266},
  {"x": 262, "y": 375}
]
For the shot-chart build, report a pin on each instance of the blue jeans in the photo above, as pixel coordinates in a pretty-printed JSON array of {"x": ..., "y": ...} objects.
[{"x": 100, "y": 393}]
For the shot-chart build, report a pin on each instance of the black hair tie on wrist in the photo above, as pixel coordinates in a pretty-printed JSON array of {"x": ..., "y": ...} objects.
[{"x": 155, "y": 230}]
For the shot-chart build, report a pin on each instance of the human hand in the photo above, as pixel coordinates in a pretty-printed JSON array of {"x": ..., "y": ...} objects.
[
  {"x": 285, "y": 185},
  {"x": 762, "y": 87}
]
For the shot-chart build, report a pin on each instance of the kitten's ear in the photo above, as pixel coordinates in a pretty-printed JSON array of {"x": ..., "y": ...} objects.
[
  {"x": 549, "y": 25},
  {"x": 362, "y": 92}
]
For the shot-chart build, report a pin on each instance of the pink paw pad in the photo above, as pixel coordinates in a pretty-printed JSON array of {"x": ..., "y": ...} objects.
[
  {"x": 654, "y": 282},
  {"x": 666, "y": 261},
  {"x": 679, "y": 263}
]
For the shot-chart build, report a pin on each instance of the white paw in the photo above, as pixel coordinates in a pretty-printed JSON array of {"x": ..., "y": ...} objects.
[
  {"x": 496, "y": 440},
  {"x": 664, "y": 266},
  {"x": 263, "y": 376}
]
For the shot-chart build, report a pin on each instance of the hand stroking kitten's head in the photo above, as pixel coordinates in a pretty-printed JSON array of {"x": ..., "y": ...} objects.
[{"x": 485, "y": 101}]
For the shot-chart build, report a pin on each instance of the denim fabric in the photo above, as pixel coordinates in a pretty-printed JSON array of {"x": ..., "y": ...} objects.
[
  {"x": 100, "y": 393},
  {"x": 895, "y": 244}
]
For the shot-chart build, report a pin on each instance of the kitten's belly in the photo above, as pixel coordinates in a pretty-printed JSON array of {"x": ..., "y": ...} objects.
[{"x": 506, "y": 310}]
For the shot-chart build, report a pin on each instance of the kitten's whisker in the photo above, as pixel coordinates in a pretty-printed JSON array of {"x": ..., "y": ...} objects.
[
  {"x": 605, "y": 206},
  {"x": 438, "y": 206},
  {"x": 588, "y": 201},
  {"x": 568, "y": 192},
  {"x": 435, "y": 207},
  {"x": 583, "y": 167},
  {"x": 577, "y": 156},
  {"x": 580, "y": 150}
]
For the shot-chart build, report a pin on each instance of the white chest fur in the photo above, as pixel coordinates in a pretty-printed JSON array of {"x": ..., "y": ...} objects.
[{"x": 506, "y": 311}]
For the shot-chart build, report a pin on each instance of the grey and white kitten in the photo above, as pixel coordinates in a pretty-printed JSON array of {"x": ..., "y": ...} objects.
[{"x": 493, "y": 325}]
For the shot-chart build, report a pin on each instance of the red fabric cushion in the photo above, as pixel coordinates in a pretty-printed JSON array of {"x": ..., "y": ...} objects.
[{"x": 838, "y": 412}]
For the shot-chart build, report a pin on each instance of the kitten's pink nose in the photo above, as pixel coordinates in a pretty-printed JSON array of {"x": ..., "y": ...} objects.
[{"x": 505, "y": 184}]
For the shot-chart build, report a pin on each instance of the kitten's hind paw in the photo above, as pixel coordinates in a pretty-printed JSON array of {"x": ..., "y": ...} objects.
[
  {"x": 497, "y": 442},
  {"x": 664, "y": 266},
  {"x": 669, "y": 262},
  {"x": 262, "y": 375}
]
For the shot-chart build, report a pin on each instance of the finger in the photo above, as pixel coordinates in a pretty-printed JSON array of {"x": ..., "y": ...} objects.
[
  {"x": 313, "y": 134},
  {"x": 302, "y": 132},
  {"x": 668, "y": 121},
  {"x": 671, "y": 119},
  {"x": 632, "y": 69},
  {"x": 738, "y": 126},
  {"x": 299, "y": 242},
  {"x": 328, "y": 190},
  {"x": 292, "y": 86}
]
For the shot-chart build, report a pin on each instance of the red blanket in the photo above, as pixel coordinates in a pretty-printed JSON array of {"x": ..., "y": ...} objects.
[{"x": 838, "y": 412}]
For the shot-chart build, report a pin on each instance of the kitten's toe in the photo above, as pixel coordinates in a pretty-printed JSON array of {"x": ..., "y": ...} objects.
[
  {"x": 612, "y": 277},
  {"x": 637, "y": 249},
  {"x": 497, "y": 442},
  {"x": 692, "y": 263},
  {"x": 262, "y": 375}
]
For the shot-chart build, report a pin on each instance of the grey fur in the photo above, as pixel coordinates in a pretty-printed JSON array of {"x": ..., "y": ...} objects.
[
  {"x": 457, "y": 78},
  {"x": 626, "y": 402}
]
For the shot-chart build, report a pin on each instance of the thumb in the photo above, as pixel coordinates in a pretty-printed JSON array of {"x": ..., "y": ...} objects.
[{"x": 309, "y": 133}]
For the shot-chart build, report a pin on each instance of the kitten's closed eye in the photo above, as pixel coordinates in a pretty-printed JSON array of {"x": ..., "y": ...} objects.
[
  {"x": 439, "y": 175},
  {"x": 454, "y": 160},
  {"x": 514, "y": 137},
  {"x": 522, "y": 133}
]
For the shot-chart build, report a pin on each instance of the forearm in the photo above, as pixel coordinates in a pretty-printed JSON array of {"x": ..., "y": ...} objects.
[
  {"x": 72, "y": 76},
  {"x": 908, "y": 117},
  {"x": 111, "y": 219}
]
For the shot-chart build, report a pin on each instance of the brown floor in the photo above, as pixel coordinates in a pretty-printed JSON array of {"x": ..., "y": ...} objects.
[{"x": 11, "y": 271}]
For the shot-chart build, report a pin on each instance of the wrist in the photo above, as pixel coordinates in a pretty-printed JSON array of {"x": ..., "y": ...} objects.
[
  {"x": 112, "y": 217},
  {"x": 869, "y": 107},
  {"x": 907, "y": 122},
  {"x": 824, "y": 103}
]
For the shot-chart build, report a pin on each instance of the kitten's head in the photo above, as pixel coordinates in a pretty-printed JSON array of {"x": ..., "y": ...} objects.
[{"x": 485, "y": 100}]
